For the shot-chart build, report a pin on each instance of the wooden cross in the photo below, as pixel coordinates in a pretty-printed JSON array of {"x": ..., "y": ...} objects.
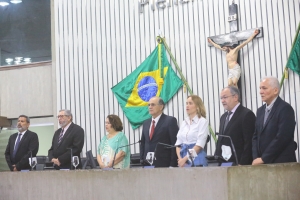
[{"x": 235, "y": 36}]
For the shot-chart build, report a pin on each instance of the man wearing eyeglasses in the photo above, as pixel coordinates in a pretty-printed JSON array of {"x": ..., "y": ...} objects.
[
  {"x": 237, "y": 122},
  {"x": 160, "y": 128},
  {"x": 69, "y": 136}
]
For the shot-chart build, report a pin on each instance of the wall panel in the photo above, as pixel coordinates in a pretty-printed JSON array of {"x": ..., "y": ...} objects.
[{"x": 98, "y": 43}]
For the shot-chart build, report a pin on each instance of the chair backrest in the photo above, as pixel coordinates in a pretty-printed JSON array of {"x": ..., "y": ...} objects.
[
  {"x": 90, "y": 160},
  {"x": 207, "y": 140},
  {"x": 41, "y": 159}
]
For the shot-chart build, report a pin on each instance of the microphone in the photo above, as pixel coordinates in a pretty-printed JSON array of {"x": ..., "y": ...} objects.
[
  {"x": 233, "y": 149},
  {"x": 31, "y": 164},
  {"x": 122, "y": 147},
  {"x": 191, "y": 158},
  {"x": 71, "y": 158}
]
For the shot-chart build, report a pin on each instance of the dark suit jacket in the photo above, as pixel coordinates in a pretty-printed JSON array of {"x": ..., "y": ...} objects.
[
  {"x": 29, "y": 142},
  {"x": 240, "y": 128},
  {"x": 165, "y": 132},
  {"x": 73, "y": 138},
  {"x": 274, "y": 140}
]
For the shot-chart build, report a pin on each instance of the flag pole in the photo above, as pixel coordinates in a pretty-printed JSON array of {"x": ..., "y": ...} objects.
[
  {"x": 285, "y": 72},
  {"x": 162, "y": 40}
]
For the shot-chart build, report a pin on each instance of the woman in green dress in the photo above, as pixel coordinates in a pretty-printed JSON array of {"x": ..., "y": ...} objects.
[{"x": 111, "y": 143}]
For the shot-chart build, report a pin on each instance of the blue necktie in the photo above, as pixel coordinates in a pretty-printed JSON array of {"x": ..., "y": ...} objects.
[{"x": 17, "y": 145}]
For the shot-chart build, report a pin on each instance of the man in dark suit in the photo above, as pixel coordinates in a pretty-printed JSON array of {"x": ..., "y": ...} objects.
[
  {"x": 273, "y": 140},
  {"x": 159, "y": 128},
  {"x": 69, "y": 136},
  {"x": 20, "y": 145},
  {"x": 238, "y": 123}
]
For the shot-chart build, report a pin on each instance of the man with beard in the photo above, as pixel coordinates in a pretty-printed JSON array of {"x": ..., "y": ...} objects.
[
  {"x": 21, "y": 145},
  {"x": 232, "y": 52},
  {"x": 69, "y": 136}
]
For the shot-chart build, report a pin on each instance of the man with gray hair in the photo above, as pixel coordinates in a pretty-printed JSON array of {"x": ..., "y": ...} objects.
[
  {"x": 21, "y": 145},
  {"x": 238, "y": 123},
  {"x": 70, "y": 137},
  {"x": 273, "y": 140},
  {"x": 160, "y": 128}
]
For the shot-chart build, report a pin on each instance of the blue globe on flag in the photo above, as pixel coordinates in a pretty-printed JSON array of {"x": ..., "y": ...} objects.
[{"x": 147, "y": 88}]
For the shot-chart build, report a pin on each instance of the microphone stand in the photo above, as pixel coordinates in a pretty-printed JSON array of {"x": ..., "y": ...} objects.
[
  {"x": 71, "y": 158},
  {"x": 233, "y": 149},
  {"x": 112, "y": 166},
  {"x": 31, "y": 163},
  {"x": 167, "y": 146}
]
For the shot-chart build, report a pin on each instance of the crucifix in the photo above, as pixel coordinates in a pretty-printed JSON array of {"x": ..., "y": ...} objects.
[{"x": 230, "y": 44}]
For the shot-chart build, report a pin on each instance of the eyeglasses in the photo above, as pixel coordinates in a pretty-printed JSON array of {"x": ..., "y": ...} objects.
[
  {"x": 152, "y": 104},
  {"x": 225, "y": 97},
  {"x": 61, "y": 116}
]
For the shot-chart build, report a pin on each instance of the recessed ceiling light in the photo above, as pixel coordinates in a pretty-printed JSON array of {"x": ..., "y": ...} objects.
[
  {"x": 4, "y": 2},
  {"x": 16, "y": 1}
]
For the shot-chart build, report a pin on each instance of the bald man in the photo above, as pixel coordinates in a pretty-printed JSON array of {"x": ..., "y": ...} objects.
[{"x": 159, "y": 128}]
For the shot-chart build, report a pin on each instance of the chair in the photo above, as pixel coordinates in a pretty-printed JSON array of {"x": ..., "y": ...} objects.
[{"x": 207, "y": 140}]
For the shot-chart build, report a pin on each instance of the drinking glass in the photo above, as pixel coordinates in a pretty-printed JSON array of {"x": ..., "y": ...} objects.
[{"x": 75, "y": 161}]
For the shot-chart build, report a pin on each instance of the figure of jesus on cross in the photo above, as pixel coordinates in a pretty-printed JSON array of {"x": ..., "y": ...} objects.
[{"x": 234, "y": 69}]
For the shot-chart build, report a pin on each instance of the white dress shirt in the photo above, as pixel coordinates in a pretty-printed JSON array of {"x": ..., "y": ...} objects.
[
  {"x": 192, "y": 132},
  {"x": 156, "y": 121},
  {"x": 22, "y": 134}
]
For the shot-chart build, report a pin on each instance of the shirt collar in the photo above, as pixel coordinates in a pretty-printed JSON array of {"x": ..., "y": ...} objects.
[
  {"x": 269, "y": 107},
  {"x": 234, "y": 108},
  {"x": 66, "y": 127},
  {"x": 194, "y": 120},
  {"x": 22, "y": 133},
  {"x": 156, "y": 119}
]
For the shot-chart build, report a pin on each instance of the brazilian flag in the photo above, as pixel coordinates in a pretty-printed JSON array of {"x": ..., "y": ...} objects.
[{"x": 154, "y": 77}]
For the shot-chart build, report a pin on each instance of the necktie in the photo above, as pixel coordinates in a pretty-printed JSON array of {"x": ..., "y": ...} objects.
[
  {"x": 17, "y": 145},
  {"x": 227, "y": 120},
  {"x": 61, "y": 135},
  {"x": 152, "y": 129},
  {"x": 267, "y": 112}
]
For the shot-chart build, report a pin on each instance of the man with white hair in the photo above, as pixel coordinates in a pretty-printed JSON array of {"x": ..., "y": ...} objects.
[{"x": 273, "y": 139}]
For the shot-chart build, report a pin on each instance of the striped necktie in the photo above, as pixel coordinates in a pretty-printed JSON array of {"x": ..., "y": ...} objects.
[
  {"x": 61, "y": 135},
  {"x": 227, "y": 119}
]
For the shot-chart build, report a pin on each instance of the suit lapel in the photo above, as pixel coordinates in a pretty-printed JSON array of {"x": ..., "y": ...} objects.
[
  {"x": 159, "y": 123},
  {"x": 273, "y": 110},
  {"x": 222, "y": 123},
  {"x": 67, "y": 133},
  {"x": 23, "y": 138},
  {"x": 147, "y": 127},
  {"x": 233, "y": 118},
  {"x": 13, "y": 141}
]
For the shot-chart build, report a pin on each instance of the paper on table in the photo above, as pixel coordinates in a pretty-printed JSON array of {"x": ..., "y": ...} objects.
[
  {"x": 105, "y": 160},
  {"x": 226, "y": 152}
]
